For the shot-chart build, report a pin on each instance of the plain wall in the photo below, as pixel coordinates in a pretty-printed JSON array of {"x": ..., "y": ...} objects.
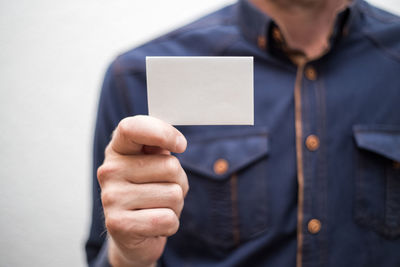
[{"x": 53, "y": 55}]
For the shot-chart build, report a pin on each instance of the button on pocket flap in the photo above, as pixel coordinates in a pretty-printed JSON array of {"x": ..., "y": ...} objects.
[
  {"x": 219, "y": 154},
  {"x": 380, "y": 139}
]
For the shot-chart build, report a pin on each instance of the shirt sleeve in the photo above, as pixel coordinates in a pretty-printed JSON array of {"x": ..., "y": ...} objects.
[
  {"x": 102, "y": 257},
  {"x": 111, "y": 109}
]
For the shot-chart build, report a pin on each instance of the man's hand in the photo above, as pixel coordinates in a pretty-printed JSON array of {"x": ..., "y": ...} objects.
[{"x": 142, "y": 189}]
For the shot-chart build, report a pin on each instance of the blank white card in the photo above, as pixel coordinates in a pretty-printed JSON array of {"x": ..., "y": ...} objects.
[{"x": 201, "y": 90}]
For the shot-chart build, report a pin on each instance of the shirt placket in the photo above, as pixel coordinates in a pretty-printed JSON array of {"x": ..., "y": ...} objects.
[{"x": 311, "y": 172}]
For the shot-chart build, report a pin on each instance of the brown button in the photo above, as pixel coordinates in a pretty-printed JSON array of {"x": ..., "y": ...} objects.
[
  {"x": 276, "y": 34},
  {"x": 396, "y": 165},
  {"x": 221, "y": 166},
  {"x": 311, "y": 74},
  {"x": 314, "y": 226},
  {"x": 262, "y": 42},
  {"x": 312, "y": 142}
]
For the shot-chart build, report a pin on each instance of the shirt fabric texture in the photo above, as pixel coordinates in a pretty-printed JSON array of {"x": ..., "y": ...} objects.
[{"x": 316, "y": 180}]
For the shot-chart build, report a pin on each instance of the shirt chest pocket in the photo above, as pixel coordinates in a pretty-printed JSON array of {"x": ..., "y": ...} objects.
[
  {"x": 226, "y": 204},
  {"x": 378, "y": 179}
]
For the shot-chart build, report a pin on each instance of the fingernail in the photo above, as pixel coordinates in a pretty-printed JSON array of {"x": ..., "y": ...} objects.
[{"x": 180, "y": 144}]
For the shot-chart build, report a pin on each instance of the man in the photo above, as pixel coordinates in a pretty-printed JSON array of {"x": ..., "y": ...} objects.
[{"x": 315, "y": 182}]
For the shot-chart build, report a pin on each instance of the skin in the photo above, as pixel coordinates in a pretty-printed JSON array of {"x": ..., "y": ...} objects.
[
  {"x": 143, "y": 186},
  {"x": 142, "y": 189},
  {"x": 305, "y": 24}
]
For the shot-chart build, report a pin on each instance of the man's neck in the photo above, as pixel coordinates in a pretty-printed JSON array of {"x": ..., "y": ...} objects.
[{"x": 305, "y": 24}]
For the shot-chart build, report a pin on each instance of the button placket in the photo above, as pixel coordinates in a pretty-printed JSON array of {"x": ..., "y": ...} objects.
[{"x": 314, "y": 177}]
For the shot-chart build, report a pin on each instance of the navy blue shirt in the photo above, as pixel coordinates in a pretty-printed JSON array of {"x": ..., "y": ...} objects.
[{"x": 316, "y": 180}]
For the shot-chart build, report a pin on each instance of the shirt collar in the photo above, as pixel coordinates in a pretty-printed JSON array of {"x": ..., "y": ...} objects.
[
  {"x": 253, "y": 23},
  {"x": 260, "y": 29}
]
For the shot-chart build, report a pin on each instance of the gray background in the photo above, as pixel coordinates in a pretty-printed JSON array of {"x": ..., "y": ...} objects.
[{"x": 53, "y": 55}]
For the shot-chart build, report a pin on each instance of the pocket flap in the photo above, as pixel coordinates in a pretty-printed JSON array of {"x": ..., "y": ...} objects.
[
  {"x": 238, "y": 147},
  {"x": 380, "y": 139}
]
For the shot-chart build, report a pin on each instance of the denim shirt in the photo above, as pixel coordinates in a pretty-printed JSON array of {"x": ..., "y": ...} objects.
[{"x": 316, "y": 180}]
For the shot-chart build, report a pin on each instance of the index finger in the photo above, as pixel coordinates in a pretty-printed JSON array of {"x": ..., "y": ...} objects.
[{"x": 133, "y": 133}]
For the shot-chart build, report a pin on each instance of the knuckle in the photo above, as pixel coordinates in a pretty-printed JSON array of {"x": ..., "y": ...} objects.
[
  {"x": 162, "y": 220},
  {"x": 104, "y": 172},
  {"x": 185, "y": 184},
  {"x": 108, "y": 150},
  {"x": 167, "y": 218},
  {"x": 187, "y": 189},
  {"x": 124, "y": 126},
  {"x": 176, "y": 194},
  {"x": 114, "y": 223},
  {"x": 108, "y": 197},
  {"x": 172, "y": 166},
  {"x": 171, "y": 223}
]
